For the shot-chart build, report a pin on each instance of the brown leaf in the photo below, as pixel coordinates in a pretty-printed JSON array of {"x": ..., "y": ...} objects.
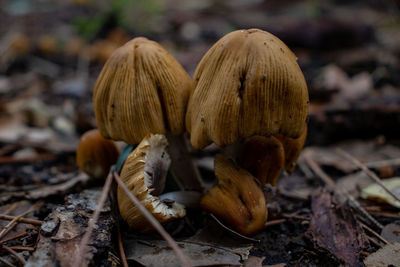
[{"x": 335, "y": 229}]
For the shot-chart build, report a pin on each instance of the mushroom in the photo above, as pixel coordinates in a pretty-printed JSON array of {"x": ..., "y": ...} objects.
[
  {"x": 251, "y": 99},
  {"x": 144, "y": 173},
  {"x": 95, "y": 155},
  {"x": 248, "y": 84},
  {"x": 142, "y": 89},
  {"x": 237, "y": 199}
]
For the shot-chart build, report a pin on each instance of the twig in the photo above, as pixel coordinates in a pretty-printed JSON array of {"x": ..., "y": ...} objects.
[
  {"x": 85, "y": 239},
  {"x": 374, "y": 233},
  {"x": 171, "y": 242},
  {"x": 121, "y": 248},
  {"x": 274, "y": 222},
  {"x": 367, "y": 171},
  {"x": 30, "y": 159},
  {"x": 15, "y": 254},
  {"x": 22, "y": 233},
  {"x": 344, "y": 194},
  {"x": 386, "y": 214},
  {"x": 233, "y": 231},
  {"x": 21, "y": 220},
  {"x": 14, "y": 221},
  {"x": 9, "y": 264},
  {"x": 376, "y": 243},
  {"x": 383, "y": 163}
]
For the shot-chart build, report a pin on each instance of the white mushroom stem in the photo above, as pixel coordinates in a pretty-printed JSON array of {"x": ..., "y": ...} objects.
[{"x": 183, "y": 169}]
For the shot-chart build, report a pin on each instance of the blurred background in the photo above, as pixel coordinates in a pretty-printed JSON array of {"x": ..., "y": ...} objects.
[{"x": 51, "y": 52}]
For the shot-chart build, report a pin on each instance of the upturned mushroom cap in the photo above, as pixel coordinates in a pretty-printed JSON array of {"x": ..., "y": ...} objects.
[
  {"x": 237, "y": 199},
  {"x": 144, "y": 173},
  {"x": 248, "y": 83},
  {"x": 95, "y": 155},
  {"x": 142, "y": 89}
]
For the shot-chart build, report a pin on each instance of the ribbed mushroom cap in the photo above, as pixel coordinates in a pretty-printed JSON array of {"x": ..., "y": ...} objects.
[
  {"x": 248, "y": 83},
  {"x": 237, "y": 199},
  {"x": 144, "y": 173},
  {"x": 142, "y": 89}
]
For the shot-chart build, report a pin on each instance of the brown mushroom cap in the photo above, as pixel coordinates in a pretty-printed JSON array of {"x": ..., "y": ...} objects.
[
  {"x": 237, "y": 199},
  {"x": 142, "y": 89},
  {"x": 95, "y": 155},
  {"x": 248, "y": 83},
  {"x": 144, "y": 173}
]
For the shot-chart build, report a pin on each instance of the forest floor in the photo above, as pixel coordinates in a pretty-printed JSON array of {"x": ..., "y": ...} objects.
[{"x": 331, "y": 210}]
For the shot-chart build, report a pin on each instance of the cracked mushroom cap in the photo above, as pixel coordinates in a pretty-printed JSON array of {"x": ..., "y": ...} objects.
[
  {"x": 144, "y": 173},
  {"x": 142, "y": 89},
  {"x": 237, "y": 199},
  {"x": 248, "y": 83}
]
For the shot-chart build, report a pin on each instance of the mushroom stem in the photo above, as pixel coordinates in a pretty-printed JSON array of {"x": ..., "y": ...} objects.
[{"x": 183, "y": 169}]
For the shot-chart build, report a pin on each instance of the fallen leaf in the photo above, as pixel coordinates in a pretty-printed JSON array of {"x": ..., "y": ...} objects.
[
  {"x": 389, "y": 255},
  {"x": 377, "y": 193},
  {"x": 335, "y": 229},
  {"x": 391, "y": 232}
]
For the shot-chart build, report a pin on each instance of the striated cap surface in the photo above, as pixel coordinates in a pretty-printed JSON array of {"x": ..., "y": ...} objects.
[
  {"x": 142, "y": 89},
  {"x": 248, "y": 83}
]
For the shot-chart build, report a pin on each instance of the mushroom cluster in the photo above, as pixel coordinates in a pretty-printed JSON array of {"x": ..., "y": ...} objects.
[{"x": 248, "y": 96}]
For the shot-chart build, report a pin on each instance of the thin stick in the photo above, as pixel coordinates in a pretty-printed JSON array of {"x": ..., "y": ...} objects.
[
  {"x": 15, "y": 254},
  {"x": 383, "y": 163},
  {"x": 171, "y": 242},
  {"x": 367, "y": 171},
  {"x": 344, "y": 194},
  {"x": 374, "y": 233},
  {"x": 274, "y": 222},
  {"x": 14, "y": 221},
  {"x": 21, "y": 220},
  {"x": 121, "y": 248},
  {"x": 92, "y": 222},
  {"x": 7, "y": 263},
  {"x": 376, "y": 243},
  {"x": 22, "y": 233}
]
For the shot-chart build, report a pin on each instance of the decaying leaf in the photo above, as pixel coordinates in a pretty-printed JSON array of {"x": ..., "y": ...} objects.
[
  {"x": 377, "y": 193},
  {"x": 211, "y": 246},
  {"x": 391, "y": 232},
  {"x": 335, "y": 229},
  {"x": 389, "y": 255}
]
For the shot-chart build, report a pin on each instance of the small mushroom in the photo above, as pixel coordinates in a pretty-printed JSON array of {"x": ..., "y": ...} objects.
[
  {"x": 142, "y": 89},
  {"x": 249, "y": 84},
  {"x": 237, "y": 199},
  {"x": 95, "y": 155},
  {"x": 144, "y": 173}
]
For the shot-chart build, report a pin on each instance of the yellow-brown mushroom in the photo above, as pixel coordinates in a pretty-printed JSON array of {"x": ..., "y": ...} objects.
[
  {"x": 95, "y": 155},
  {"x": 251, "y": 99},
  {"x": 249, "y": 84},
  {"x": 143, "y": 90}
]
